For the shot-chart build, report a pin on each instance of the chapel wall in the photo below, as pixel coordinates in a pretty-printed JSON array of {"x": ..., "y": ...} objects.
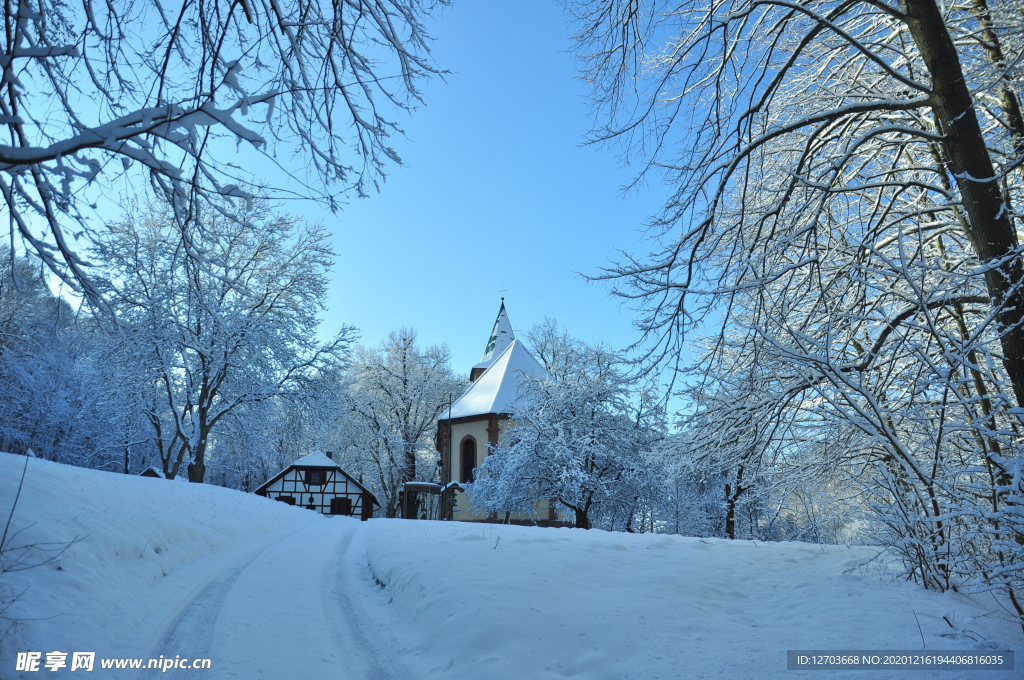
[{"x": 464, "y": 510}]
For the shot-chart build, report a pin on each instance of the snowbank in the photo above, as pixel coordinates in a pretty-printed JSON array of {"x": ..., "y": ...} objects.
[
  {"x": 138, "y": 547},
  {"x": 514, "y": 602},
  {"x": 447, "y": 600}
]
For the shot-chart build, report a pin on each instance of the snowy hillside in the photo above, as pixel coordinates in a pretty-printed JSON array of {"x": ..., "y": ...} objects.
[
  {"x": 504, "y": 602},
  {"x": 272, "y": 591},
  {"x": 130, "y": 534}
]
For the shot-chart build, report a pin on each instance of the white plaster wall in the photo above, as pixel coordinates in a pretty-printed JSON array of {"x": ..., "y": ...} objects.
[
  {"x": 297, "y": 488},
  {"x": 464, "y": 510}
]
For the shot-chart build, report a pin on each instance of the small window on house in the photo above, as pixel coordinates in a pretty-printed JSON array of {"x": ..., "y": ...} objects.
[
  {"x": 290, "y": 500},
  {"x": 316, "y": 477},
  {"x": 468, "y": 460},
  {"x": 341, "y": 506}
]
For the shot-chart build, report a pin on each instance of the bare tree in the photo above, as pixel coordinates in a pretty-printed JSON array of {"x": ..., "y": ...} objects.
[
  {"x": 103, "y": 95},
  {"x": 53, "y": 397},
  {"x": 209, "y": 339},
  {"x": 825, "y": 103},
  {"x": 845, "y": 176},
  {"x": 397, "y": 391}
]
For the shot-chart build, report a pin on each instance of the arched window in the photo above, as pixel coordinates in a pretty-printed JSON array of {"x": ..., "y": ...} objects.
[{"x": 468, "y": 459}]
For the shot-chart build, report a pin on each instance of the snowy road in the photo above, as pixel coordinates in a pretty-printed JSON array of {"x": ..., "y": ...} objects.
[{"x": 292, "y": 609}]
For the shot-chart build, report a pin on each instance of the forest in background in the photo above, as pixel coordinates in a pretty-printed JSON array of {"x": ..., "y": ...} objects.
[{"x": 207, "y": 383}]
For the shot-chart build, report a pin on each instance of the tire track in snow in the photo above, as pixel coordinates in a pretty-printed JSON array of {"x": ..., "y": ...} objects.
[
  {"x": 192, "y": 629},
  {"x": 347, "y": 618}
]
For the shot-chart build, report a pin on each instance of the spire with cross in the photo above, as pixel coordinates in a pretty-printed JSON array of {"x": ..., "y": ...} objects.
[{"x": 501, "y": 336}]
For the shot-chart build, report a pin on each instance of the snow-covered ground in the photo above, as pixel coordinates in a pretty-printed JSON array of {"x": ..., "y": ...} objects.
[
  {"x": 140, "y": 546},
  {"x": 504, "y": 602},
  {"x": 271, "y": 591}
]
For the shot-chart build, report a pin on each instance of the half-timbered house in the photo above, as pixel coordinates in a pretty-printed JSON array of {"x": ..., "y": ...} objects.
[{"x": 318, "y": 483}]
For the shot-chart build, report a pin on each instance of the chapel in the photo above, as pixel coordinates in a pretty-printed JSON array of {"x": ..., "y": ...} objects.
[{"x": 469, "y": 430}]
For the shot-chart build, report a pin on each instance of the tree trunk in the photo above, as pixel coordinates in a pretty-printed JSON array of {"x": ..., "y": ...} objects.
[
  {"x": 409, "y": 473},
  {"x": 176, "y": 467},
  {"x": 582, "y": 521},
  {"x": 1008, "y": 100},
  {"x": 730, "y": 502},
  {"x": 391, "y": 512},
  {"x": 196, "y": 471},
  {"x": 730, "y": 514},
  {"x": 989, "y": 228},
  {"x": 197, "y": 468}
]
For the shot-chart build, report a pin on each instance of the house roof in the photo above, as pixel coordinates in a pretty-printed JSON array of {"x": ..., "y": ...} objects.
[
  {"x": 495, "y": 390},
  {"x": 314, "y": 460},
  {"x": 501, "y": 337}
]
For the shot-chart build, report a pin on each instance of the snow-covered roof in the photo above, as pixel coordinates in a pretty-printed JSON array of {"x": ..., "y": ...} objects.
[
  {"x": 501, "y": 337},
  {"x": 316, "y": 460},
  {"x": 495, "y": 390}
]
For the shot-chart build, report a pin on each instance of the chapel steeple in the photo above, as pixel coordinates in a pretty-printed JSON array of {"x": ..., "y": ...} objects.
[
  {"x": 470, "y": 429},
  {"x": 501, "y": 337}
]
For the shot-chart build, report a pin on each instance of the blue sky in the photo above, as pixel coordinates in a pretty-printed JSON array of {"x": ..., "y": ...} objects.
[{"x": 497, "y": 191}]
